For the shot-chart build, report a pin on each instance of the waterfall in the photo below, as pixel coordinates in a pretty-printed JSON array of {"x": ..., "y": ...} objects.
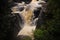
[{"x": 26, "y": 11}]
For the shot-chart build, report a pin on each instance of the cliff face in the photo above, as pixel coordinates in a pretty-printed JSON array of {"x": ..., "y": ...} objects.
[
  {"x": 41, "y": 15},
  {"x": 9, "y": 23}
]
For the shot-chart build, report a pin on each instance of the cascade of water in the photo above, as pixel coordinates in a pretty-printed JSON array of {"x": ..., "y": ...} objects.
[{"x": 26, "y": 11}]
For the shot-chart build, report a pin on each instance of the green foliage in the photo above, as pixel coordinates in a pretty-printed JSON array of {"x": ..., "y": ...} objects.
[
  {"x": 52, "y": 26},
  {"x": 41, "y": 35},
  {"x": 27, "y": 38}
]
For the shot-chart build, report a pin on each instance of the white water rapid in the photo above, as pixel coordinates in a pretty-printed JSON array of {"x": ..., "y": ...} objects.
[{"x": 26, "y": 11}]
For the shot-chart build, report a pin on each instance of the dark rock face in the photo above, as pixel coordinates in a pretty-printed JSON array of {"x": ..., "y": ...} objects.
[
  {"x": 40, "y": 20},
  {"x": 9, "y": 23},
  {"x": 21, "y": 8},
  {"x": 37, "y": 12},
  {"x": 41, "y": 16},
  {"x": 26, "y": 1},
  {"x": 9, "y": 27}
]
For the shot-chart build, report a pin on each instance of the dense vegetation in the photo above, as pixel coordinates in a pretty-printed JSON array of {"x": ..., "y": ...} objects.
[{"x": 50, "y": 29}]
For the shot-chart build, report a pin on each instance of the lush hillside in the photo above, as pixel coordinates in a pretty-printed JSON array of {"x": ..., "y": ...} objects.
[{"x": 50, "y": 28}]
